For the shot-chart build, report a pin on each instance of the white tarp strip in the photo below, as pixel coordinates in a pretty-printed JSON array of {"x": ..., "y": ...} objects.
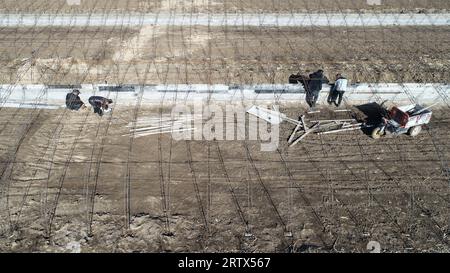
[
  {"x": 227, "y": 19},
  {"x": 42, "y": 96}
]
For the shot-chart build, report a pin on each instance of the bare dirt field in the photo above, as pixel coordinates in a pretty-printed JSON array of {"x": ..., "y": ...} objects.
[
  {"x": 77, "y": 182},
  {"x": 70, "y": 181},
  {"x": 240, "y": 55},
  {"x": 230, "y": 6}
]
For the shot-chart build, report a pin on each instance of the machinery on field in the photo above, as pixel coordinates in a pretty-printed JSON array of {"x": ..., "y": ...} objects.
[
  {"x": 405, "y": 119},
  {"x": 398, "y": 120}
]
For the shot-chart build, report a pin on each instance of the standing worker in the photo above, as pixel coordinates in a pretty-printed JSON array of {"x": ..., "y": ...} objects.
[
  {"x": 73, "y": 100},
  {"x": 340, "y": 86},
  {"x": 100, "y": 104},
  {"x": 315, "y": 82}
]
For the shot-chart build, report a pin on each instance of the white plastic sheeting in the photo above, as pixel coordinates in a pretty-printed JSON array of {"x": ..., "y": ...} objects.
[
  {"x": 41, "y": 95},
  {"x": 228, "y": 19}
]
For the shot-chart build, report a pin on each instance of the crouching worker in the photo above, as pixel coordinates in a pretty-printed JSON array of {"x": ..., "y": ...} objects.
[
  {"x": 73, "y": 101},
  {"x": 100, "y": 104},
  {"x": 340, "y": 86}
]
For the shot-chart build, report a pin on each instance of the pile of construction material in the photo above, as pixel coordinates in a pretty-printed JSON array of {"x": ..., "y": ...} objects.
[
  {"x": 161, "y": 124},
  {"x": 304, "y": 126},
  {"x": 322, "y": 127}
]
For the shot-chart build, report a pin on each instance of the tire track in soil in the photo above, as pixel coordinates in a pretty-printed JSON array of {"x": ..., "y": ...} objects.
[
  {"x": 52, "y": 212},
  {"x": 432, "y": 223},
  {"x": 238, "y": 207},
  {"x": 91, "y": 198},
  {"x": 165, "y": 205},
  {"x": 418, "y": 173},
  {"x": 352, "y": 215},
  {"x": 52, "y": 141},
  {"x": 197, "y": 194},
  {"x": 127, "y": 181},
  {"x": 264, "y": 188},
  {"x": 307, "y": 203},
  {"x": 5, "y": 175}
]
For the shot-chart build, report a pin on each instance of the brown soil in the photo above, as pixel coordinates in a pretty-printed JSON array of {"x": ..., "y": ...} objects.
[
  {"x": 71, "y": 180},
  {"x": 152, "y": 54}
]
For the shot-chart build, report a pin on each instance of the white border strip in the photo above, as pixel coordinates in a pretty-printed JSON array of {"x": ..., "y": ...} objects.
[
  {"x": 43, "y": 96},
  {"x": 236, "y": 20}
]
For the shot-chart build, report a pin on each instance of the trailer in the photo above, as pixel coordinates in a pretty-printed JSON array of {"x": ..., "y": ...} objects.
[{"x": 407, "y": 119}]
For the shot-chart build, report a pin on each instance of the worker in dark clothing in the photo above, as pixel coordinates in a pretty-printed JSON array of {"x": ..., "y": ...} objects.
[
  {"x": 73, "y": 101},
  {"x": 314, "y": 87},
  {"x": 332, "y": 96},
  {"x": 100, "y": 104}
]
